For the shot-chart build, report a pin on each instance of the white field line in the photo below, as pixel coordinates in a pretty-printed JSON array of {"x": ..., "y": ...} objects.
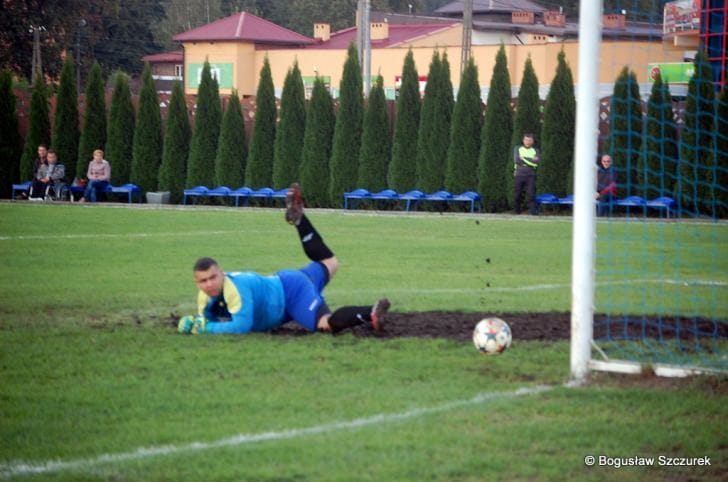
[
  {"x": 537, "y": 287},
  {"x": 29, "y": 468},
  {"x": 43, "y": 237}
]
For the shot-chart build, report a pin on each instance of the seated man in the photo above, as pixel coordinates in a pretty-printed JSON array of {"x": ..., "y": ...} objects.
[
  {"x": 249, "y": 302},
  {"x": 51, "y": 175},
  {"x": 606, "y": 186}
]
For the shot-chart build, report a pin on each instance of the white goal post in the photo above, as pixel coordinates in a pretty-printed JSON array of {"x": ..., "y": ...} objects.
[{"x": 585, "y": 152}]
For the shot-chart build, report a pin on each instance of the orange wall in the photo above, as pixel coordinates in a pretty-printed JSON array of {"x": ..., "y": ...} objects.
[
  {"x": 241, "y": 55},
  {"x": 388, "y": 62}
]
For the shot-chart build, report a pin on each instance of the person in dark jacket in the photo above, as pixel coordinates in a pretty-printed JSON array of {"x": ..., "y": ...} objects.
[
  {"x": 606, "y": 186},
  {"x": 51, "y": 175}
]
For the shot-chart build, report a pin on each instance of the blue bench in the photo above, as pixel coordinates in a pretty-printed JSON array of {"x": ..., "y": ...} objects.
[
  {"x": 469, "y": 197},
  {"x": 411, "y": 198},
  {"x": 243, "y": 193},
  {"x": 128, "y": 189},
  {"x": 551, "y": 199},
  {"x": 661, "y": 203},
  {"x": 354, "y": 196},
  {"x": 22, "y": 187}
]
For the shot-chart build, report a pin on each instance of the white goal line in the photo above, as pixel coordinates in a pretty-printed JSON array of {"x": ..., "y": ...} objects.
[
  {"x": 29, "y": 468},
  {"x": 539, "y": 287}
]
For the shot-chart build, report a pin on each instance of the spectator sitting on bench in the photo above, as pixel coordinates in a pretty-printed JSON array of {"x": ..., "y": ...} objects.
[
  {"x": 41, "y": 160},
  {"x": 606, "y": 186},
  {"x": 99, "y": 174},
  {"x": 48, "y": 175}
]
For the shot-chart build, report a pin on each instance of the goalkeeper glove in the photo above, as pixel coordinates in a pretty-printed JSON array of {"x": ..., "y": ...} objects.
[{"x": 192, "y": 324}]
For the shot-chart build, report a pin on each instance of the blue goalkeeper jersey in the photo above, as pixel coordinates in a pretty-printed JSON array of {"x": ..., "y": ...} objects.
[{"x": 248, "y": 302}]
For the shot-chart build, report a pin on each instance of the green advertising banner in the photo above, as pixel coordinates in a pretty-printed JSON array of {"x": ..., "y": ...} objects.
[
  {"x": 222, "y": 72},
  {"x": 308, "y": 81},
  {"x": 672, "y": 72}
]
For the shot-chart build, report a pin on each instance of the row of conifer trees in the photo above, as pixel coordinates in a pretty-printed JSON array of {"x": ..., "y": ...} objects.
[{"x": 437, "y": 142}]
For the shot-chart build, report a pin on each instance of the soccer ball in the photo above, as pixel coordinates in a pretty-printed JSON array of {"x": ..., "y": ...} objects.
[{"x": 492, "y": 336}]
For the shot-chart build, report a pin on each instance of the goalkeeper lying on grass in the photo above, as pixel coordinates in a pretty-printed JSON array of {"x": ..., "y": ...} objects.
[{"x": 243, "y": 302}]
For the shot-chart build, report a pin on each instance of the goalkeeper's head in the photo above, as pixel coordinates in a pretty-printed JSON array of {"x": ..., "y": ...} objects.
[{"x": 208, "y": 276}]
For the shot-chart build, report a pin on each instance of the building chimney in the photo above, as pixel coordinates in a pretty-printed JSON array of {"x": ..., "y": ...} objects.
[
  {"x": 322, "y": 31},
  {"x": 616, "y": 21},
  {"x": 523, "y": 17},
  {"x": 379, "y": 31},
  {"x": 554, "y": 18}
]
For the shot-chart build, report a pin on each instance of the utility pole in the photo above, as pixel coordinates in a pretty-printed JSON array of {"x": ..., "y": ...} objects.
[
  {"x": 81, "y": 24},
  {"x": 36, "y": 63},
  {"x": 467, "y": 34},
  {"x": 364, "y": 44}
]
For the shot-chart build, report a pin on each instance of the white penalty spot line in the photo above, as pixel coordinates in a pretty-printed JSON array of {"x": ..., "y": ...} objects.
[{"x": 29, "y": 468}]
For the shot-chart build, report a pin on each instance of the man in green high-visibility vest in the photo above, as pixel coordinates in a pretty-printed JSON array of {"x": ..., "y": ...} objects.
[{"x": 525, "y": 162}]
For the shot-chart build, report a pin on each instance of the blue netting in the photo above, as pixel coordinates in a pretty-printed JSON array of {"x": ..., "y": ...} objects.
[{"x": 662, "y": 248}]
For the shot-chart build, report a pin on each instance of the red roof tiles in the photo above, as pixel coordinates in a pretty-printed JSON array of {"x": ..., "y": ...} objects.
[{"x": 244, "y": 26}]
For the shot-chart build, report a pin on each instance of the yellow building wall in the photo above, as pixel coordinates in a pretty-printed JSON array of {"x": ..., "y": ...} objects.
[
  {"x": 544, "y": 57},
  {"x": 388, "y": 62},
  {"x": 451, "y": 36},
  {"x": 240, "y": 54}
]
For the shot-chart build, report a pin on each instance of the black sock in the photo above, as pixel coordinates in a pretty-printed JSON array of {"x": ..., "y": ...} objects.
[
  {"x": 313, "y": 244},
  {"x": 348, "y": 316}
]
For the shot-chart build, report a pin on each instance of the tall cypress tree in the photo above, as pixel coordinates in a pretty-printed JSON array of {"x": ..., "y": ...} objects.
[
  {"x": 259, "y": 171},
  {"x": 495, "y": 146},
  {"x": 176, "y": 148},
  {"x": 696, "y": 143},
  {"x": 625, "y": 131},
  {"x": 39, "y": 127},
  {"x": 94, "y": 127},
  {"x": 289, "y": 136},
  {"x": 147, "y": 148},
  {"x": 720, "y": 185},
  {"x": 402, "y": 169},
  {"x": 467, "y": 122},
  {"x": 433, "y": 138},
  {"x": 376, "y": 142},
  {"x": 317, "y": 140},
  {"x": 203, "y": 146},
  {"x": 555, "y": 174},
  {"x": 9, "y": 134},
  {"x": 66, "y": 132},
  {"x": 527, "y": 119},
  {"x": 424, "y": 177},
  {"x": 120, "y": 137},
  {"x": 348, "y": 129},
  {"x": 658, "y": 167},
  {"x": 232, "y": 151}
]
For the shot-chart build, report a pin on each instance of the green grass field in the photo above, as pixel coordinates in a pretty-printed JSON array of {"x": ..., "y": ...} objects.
[{"x": 96, "y": 385}]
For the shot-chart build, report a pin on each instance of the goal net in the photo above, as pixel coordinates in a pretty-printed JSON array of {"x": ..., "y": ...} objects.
[{"x": 650, "y": 259}]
